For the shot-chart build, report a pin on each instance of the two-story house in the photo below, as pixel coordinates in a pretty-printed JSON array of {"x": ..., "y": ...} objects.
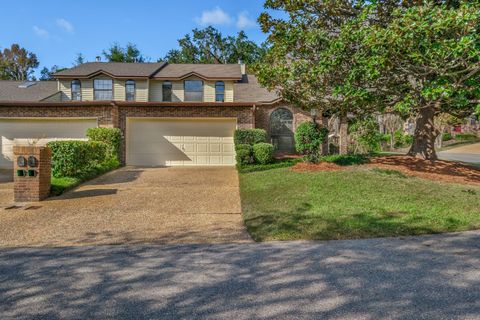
[{"x": 169, "y": 114}]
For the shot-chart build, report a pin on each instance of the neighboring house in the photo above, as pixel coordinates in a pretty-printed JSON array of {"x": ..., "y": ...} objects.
[{"x": 169, "y": 114}]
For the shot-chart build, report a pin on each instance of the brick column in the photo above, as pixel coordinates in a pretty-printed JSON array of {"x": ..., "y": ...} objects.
[{"x": 32, "y": 173}]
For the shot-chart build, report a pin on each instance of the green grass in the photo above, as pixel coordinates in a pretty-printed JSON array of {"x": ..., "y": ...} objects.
[
  {"x": 61, "y": 184},
  {"x": 283, "y": 163},
  {"x": 281, "y": 204}
]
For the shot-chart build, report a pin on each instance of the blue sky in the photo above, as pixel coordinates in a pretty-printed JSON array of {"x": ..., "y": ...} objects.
[{"x": 57, "y": 30}]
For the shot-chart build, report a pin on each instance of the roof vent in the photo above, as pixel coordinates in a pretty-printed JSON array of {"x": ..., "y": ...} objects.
[{"x": 27, "y": 84}]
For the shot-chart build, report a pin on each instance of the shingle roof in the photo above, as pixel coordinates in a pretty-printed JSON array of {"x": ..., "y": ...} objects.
[
  {"x": 207, "y": 71},
  {"x": 9, "y": 90},
  {"x": 250, "y": 90},
  {"x": 116, "y": 69}
]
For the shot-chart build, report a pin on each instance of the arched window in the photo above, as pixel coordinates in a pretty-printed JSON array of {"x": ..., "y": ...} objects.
[
  {"x": 281, "y": 130},
  {"x": 167, "y": 91},
  {"x": 219, "y": 91},
  {"x": 76, "y": 87},
  {"x": 130, "y": 90}
]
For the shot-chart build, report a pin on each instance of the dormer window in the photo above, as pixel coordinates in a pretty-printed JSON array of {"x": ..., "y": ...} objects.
[
  {"x": 103, "y": 89},
  {"x": 193, "y": 90},
  {"x": 130, "y": 90},
  {"x": 76, "y": 87},
  {"x": 167, "y": 91},
  {"x": 219, "y": 91}
]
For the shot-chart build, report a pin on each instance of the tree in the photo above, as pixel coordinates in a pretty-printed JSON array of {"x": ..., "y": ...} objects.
[
  {"x": 425, "y": 62},
  {"x": 391, "y": 123},
  {"x": 46, "y": 74},
  {"x": 210, "y": 46},
  {"x": 117, "y": 53},
  {"x": 79, "y": 59},
  {"x": 17, "y": 63}
]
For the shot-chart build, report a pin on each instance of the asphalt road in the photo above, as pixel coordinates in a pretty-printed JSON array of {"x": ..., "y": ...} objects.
[
  {"x": 463, "y": 157},
  {"x": 433, "y": 277}
]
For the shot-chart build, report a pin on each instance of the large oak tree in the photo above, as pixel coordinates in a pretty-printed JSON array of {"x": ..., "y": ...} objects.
[{"x": 17, "y": 63}]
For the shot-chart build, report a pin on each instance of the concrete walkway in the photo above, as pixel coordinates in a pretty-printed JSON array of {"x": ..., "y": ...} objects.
[
  {"x": 432, "y": 277},
  {"x": 469, "y": 153},
  {"x": 133, "y": 205}
]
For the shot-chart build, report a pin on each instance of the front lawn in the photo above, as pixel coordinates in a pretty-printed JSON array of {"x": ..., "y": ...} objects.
[{"x": 360, "y": 202}]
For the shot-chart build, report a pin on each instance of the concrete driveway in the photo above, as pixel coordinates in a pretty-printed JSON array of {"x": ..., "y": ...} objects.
[
  {"x": 431, "y": 277},
  {"x": 133, "y": 205},
  {"x": 469, "y": 153}
]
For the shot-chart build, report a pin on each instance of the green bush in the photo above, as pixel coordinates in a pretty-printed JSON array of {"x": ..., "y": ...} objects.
[
  {"x": 110, "y": 136},
  {"x": 466, "y": 137},
  {"x": 345, "y": 160},
  {"x": 76, "y": 158},
  {"x": 447, "y": 136},
  {"x": 244, "y": 154},
  {"x": 249, "y": 136},
  {"x": 402, "y": 140},
  {"x": 308, "y": 140},
  {"x": 263, "y": 152},
  {"x": 365, "y": 135}
]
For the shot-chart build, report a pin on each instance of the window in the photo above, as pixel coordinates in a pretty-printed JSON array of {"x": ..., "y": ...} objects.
[
  {"x": 219, "y": 91},
  {"x": 103, "y": 89},
  {"x": 193, "y": 90},
  {"x": 76, "y": 87},
  {"x": 167, "y": 91},
  {"x": 130, "y": 90}
]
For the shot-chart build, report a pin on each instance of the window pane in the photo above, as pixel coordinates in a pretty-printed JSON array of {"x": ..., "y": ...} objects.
[
  {"x": 194, "y": 85},
  {"x": 167, "y": 91},
  {"x": 219, "y": 97},
  {"x": 103, "y": 89},
  {"x": 76, "y": 90},
  {"x": 130, "y": 90},
  {"x": 193, "y": 96},
  {"x": 103, "y": 95},
  {"x": 219, "y": 87}
]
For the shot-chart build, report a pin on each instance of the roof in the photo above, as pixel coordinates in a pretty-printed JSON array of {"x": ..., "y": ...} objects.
[
  {"x": 206, "y": 71},
  {"x": 10, "y": 91},
  {"x": 114, "y": 69},
  {"x": 250, "y": 90}
]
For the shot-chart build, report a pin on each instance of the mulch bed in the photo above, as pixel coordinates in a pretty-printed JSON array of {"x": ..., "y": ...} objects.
[{"x": 440, "y": 170}]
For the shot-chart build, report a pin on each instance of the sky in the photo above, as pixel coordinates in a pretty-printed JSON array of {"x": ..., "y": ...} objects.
[{"x": 56, "y": 31}]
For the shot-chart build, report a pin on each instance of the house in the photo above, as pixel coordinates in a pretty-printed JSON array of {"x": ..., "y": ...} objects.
[{"x": 169, "y": 114}]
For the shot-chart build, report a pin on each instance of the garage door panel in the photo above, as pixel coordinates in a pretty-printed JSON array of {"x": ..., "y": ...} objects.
[
  {"x": 190, "y": 141},
  {"x": 14, "y": 131}
]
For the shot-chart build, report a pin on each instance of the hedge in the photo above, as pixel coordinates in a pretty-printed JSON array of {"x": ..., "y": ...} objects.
[
  {"x": 263, "y": 152},
  {"x": 250, "y": 136},
  {"x": 465, "y": 137},
  {"x": 308, "y": 140},
  {"x": 110, "y": 136},
  {"x": 244, "y": 154},
  {"x": 76, "y": 158}
]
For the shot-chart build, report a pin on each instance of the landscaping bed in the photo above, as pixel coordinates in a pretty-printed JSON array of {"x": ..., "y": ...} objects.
[
  {"x": 361, "y": 202},
  {"x": 440, "y": 170}
]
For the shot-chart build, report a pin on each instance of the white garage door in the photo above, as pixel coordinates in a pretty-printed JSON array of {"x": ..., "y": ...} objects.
[
  {"x": 180, "y": 142},
  {"x": 40, "y": 131}
]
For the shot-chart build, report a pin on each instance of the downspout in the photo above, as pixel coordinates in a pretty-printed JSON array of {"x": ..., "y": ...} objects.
[{"x": 254, "y": 111}]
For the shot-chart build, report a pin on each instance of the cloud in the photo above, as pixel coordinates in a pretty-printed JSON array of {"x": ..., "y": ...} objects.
[
  {"x": 244, "y": 21},
  {"x": 65, "y": 25},
  {"x": 215, "y": 16},
  {"x": 41, "y": 32}
]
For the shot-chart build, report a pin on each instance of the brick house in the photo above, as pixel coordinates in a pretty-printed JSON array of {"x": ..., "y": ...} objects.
[{"x": 169, "y": 114}]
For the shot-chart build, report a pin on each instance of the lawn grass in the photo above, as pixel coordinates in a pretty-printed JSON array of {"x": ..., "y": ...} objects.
[{"x": 281, "y": 204}]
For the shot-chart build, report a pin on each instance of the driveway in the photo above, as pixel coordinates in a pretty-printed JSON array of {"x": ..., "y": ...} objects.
[
  {"x": 133, "y": 205},
  {"x": 431, "y": 277},
  {"x": 469, "y": 153}
]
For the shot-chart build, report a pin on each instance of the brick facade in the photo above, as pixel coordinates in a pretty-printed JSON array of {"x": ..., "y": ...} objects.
[{"x": 114, "y": 116}]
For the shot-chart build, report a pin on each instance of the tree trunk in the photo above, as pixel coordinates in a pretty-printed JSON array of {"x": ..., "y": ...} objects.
[
  {"x": 324, "y": 147},
  {"x": 392, "y": 141},
  {"x": 343, "y": 143},
  {"x": 423, "y": 145}
]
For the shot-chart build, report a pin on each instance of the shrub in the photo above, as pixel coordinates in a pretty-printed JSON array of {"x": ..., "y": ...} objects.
[
  {"x": 402, "y": 140},
  {"x": 263, "y": 152},
  {"x": 447, "y": 136},
  {"x": 110, "y": 136},
  {"x": 345, "y": 160},
  {"x": 244, "y": 154},
  {"x": 465, "y": 137},
  {"x": 365, "y": 135},
  {"x": 76, "y": 158},
  {"x": 249, "y": 136},
  {"x": 308, "y": 140}
]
